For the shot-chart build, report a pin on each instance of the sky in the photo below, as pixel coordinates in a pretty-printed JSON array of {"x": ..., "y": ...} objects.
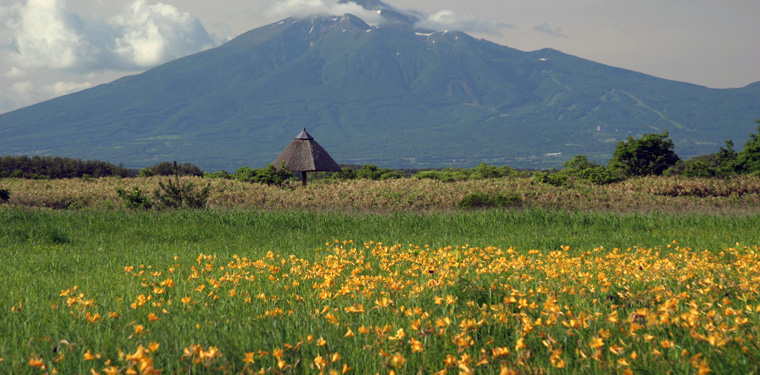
[{"x": 50, "y": 48}]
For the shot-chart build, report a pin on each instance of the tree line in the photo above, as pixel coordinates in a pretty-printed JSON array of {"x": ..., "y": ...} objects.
[
  {"x": 652, "y": 154},
  {"x": 43, "y": 167}
]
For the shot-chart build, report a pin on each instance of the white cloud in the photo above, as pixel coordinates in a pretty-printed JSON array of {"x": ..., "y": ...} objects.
[
  {"x": 42, "y": 34},
  {"x": 15, "y": 72},
  {"x": 449, "y": 20},
  {"x": 151, "y": 34},
  {"x": 46, "y": 50},
  {"x": 45, "y": 35},
  {"x": 26, "y": 92},
  {"x": 546, "y": 29},
  {"x": 307, "y": 8}
]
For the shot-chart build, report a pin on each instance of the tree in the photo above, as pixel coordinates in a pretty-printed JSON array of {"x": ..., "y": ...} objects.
[
  {"x": 652, "y": 154},
  {"x": 748, "y": 159}
]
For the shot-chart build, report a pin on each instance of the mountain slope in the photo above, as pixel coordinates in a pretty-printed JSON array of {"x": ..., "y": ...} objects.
[{"x": 388, "y": 95}]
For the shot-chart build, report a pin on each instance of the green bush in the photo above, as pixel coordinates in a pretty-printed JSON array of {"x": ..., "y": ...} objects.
[
  {"x": 345, "y": 173},
  {"x": 700, "y": 168},
  {"x": 484, "y": 200},
  {"x": 484, "y": 170},
  {"x": 553, "y": 178},
  {"x": 371, "y": 172},
  {"x": 269, "y": 175},
  {"x": 446, "y": 175},
  {"x": 220, "y": 174},
  {"x": 581, "y": 168},
  {"x": 135, "y": 199},
  {"x": 166, "y": 168},
  {"x": 147, "y": 172},
  {"x": 392, "y": 175},
  {"x": 601, "y": 176}
]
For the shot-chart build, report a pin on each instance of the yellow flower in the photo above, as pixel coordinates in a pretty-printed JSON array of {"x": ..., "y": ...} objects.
[
  {"x": 556, "y": 360},
  {"x": 416, "y": 346},
  {"x": 88, "y": 355},
  {"x": 384, "y": 302},
  {"x": 355, "y": 309},
  {"x": 596, "y": 343},
  {"x": 398, "y": 360},
  {"x": 520, "y": 344},
  {"x": 152, "y": 317},
  {"x": 450, "y": 360},
  {"x": 320, "y": 362},
  {"x": 500, "y": 351},
  {"x": 349, "y": 333},
  {"x": 36, "y": 362},
  {"x": 248, "y": 358},
  {"x": 335, "y": 357}
]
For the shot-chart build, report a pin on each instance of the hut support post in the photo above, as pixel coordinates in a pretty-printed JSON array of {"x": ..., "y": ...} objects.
[{"x": 303, "y": 178}]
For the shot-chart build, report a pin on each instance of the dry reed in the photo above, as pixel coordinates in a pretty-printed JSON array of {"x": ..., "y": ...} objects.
[{"x": 650, "y": 194}]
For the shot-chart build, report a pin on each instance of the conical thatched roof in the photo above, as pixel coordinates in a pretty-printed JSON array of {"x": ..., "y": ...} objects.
[{"x": 304, "y": 154}]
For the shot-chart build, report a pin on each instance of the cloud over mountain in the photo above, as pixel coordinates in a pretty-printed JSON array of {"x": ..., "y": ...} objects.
[
  {"x": 41, "y": 38},
  {"x": 151, "y": 34},
  {"x": 449, "y": 20},
  {"x": 43, "y": 34},
  {"x": 306, "y": 8}
]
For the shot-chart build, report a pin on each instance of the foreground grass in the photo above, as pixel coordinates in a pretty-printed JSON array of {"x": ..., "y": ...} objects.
[{"x": 311, "y": 292}]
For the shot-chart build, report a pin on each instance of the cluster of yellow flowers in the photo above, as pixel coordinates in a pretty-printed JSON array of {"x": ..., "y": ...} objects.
[{"x": 461, "y": 309}]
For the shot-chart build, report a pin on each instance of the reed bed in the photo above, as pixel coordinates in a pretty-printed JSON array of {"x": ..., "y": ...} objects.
[{"x": 649, "y": 194}]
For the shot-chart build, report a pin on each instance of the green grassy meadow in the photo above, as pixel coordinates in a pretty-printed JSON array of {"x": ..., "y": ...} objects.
[{"x": 245, "y": 291}]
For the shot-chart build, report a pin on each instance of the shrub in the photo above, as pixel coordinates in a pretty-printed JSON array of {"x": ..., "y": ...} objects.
[
  {"x": 484, "y": 170},
  {"x": 601, "y": 176},
  {"x": 177, "y": 195},
  {"x": 484, "y": 200},
  {"x": 554, "y": 179},
  {"x": 166, "y": 168},
  {"x": 269, "y": 175},
  {"x": 147, "y": 172},
  {"x": 699, "y": 168},
  {"x": 580, "y": 167},
  {"x": 345, "y": 173},
  {"x": 392, "y": 175},
  {"x": 135, "y": 199},
  {"x": 371, "y": 172},
  {"x": 5, "y": 195},
  {"x": 220, "y": 174},
  {"x": 446, "y": 175}
]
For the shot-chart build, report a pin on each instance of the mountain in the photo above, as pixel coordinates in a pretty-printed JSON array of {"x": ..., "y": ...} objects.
[{"x": 390, "y": 95}]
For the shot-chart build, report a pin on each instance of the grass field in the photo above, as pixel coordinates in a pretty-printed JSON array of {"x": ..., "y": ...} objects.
[{"x": 536, "y": 290}]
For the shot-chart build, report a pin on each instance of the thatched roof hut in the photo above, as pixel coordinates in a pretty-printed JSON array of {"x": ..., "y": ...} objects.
[{"x": 304, "y": 154}]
